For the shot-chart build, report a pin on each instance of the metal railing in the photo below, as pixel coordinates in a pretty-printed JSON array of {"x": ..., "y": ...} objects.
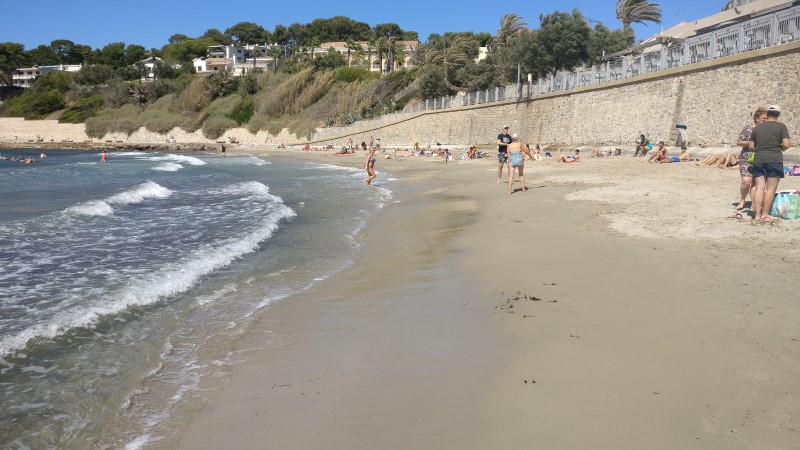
[{"x": 777, "y": 28}]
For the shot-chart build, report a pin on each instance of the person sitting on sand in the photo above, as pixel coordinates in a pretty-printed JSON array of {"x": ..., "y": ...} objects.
[
  {"x": 642, "y": 146},
  {"x": 659, "y": 154},
  {"x": 595, "y": 153},
  {"x": 570, "y": 158},
  {"x": 472, "y": 152},
  {"x": 682, "y": 157}
]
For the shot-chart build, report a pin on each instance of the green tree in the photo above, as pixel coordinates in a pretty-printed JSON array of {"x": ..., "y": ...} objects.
[
  {"x": 175, "y": 38},
  {"x": 248, "y": 33},
  {"x": 563, "y": 38},
  {"x": 388, "y": 29},
  {"x": 338, "y": 29},
  {"x": 217, "y": 37},
  {"x": 43, "y": 55},
  {"x": 604, "y": 41},
  {"x": 637, "y": 11},
  {"x": 12, "y": 57},
  {"x": 94, "y": 74},
  {"x": 135, "y": 53}
]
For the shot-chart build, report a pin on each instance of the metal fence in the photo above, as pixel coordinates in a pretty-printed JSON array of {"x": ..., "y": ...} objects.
[{"x": 774, "y": 29}]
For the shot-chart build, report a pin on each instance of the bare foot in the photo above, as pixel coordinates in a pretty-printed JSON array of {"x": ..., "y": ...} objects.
[{"x": 740, "y": 206}]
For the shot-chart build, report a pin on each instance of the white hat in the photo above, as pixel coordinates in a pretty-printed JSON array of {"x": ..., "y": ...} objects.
[
  {"x": 505, "y": 126},
  {"x": 775, "y": 108}
]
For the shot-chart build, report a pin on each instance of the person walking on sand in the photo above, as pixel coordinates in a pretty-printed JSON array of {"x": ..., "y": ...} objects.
[
  {"x": 103, "y": 156},
  {"x": 747, "y": 186},
  {"x": 503, "y": 139},
  {"x": 769, "y": 140},
  {"x": 370, "y": 166},
  {"x": 517, "y": 161}
]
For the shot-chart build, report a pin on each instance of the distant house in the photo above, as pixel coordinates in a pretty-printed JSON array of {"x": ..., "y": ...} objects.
[
  {"x": 150, "y": 67},
  {"x": 24, "y": 77},
  {"x": 371, "y": 57}
]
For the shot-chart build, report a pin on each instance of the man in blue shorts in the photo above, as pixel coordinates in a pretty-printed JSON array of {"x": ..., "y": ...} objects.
[
  {"x": 503, "y": 139},
  {"x": 769, "y": 140}
]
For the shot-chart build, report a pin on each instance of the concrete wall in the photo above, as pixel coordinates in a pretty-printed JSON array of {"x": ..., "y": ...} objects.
[{"x": 714, "y": 98}]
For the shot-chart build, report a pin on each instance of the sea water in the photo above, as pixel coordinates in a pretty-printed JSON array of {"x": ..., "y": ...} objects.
[{"x": 119, "y": 279}]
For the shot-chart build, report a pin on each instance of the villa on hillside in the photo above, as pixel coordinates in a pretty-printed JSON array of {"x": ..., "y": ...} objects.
[
  {"x": 238, "y": 59},
  {"x": 23, "y": 77}
]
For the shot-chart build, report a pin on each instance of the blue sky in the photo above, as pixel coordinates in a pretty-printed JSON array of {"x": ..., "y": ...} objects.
[{"x": 150, "y": 23}]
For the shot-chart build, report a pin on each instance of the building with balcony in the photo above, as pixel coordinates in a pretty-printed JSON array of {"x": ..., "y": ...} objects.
[
  {"x": 369, "y": 57},
  {"x": 23, "y": 77}
]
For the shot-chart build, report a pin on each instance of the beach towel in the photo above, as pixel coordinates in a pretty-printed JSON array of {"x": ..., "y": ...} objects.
[
  {"x": 795, "y": 171},
  {"x": 786, "y": 205}
]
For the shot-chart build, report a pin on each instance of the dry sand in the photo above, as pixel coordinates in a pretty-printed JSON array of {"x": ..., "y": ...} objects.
[{"x": 613, "y": 305}]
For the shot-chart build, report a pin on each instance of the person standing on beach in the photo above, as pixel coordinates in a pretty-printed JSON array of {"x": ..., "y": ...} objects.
[
  {"x": 517, "y": 161},
  {"x": 747, "y": 186},
  {"x": 503, "y": 139},
  {"x": 769, "y": 140},
  {"x": 370, "y": 166}
]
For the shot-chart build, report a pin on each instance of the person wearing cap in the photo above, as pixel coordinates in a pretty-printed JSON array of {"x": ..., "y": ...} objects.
[
  {"x": 768, "y": 141},
  {"x": 503, "y": 139}
]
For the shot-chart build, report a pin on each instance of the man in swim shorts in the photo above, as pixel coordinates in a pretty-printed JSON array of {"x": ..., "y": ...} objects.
[{"x": 503, "y": 139}]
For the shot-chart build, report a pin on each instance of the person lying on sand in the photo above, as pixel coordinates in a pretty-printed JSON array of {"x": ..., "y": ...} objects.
[
  {"x": 719, "y": 161},
  {"x": 570, "y": 158}
]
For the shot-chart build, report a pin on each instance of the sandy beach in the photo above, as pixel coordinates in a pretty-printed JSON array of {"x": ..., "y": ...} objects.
[{"x": 615, "y": 304}]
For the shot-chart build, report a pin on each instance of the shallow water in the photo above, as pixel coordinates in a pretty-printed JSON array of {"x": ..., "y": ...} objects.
[{"x": 118, "y": 279}]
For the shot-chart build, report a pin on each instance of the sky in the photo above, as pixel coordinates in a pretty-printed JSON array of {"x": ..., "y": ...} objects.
[{"x": 150, "y": 23}]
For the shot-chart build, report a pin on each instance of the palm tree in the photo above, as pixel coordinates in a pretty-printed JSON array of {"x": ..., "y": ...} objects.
[
  {"x": 637, "y": 11},
  {"x": 510, "y": 24},
  {"x": 351, "y": 46}
]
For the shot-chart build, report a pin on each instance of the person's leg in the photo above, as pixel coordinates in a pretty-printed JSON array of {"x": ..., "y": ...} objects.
[
  {"x": 744, "y": 189},
  {"x": 510, "y": 180},
  {"x": 769, "y": 196},
  {"x": 522, "y": 177},
  {"x": 758, "y": 195}
]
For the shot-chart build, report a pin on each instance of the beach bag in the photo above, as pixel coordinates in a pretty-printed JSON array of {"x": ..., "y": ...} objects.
[
  {"x": 795, "y": 171},
  {"x": 751, "y": 157},
  {"x": 515, "y": 158},
  {"x": 786, "y": 205}
]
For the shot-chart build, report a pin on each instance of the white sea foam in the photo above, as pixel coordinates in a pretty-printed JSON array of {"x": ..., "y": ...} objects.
[
  {"x": 136, "y": 194},
  {"x": 168, "y": 167},
  {"x": 151, "y": 288},
  {"x": 337, "y": 168},
  {"x": 91, "y": 208},
  {"x": 191, "y": 160}
]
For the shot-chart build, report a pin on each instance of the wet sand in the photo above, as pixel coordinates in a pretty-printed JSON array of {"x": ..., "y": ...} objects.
[{"x": 614, "y": 305}]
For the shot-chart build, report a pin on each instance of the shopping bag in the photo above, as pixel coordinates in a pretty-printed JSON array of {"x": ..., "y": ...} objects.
[{"x": 786, "y": 205}]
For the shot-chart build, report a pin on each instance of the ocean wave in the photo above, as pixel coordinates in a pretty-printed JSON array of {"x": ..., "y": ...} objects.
[
  {"x": 168, "y": 167},
  {"x": 136, "y": 194},
  {"x": 254, "y": 188},
  {"x": 150, "y": 288},
  {"x": 191, "y": 160}
]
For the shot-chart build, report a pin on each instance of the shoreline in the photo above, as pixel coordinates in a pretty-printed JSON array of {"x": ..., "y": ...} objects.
[{"x": 646, "y": 330}]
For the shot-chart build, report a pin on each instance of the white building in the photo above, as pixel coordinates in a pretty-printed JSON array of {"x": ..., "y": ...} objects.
[{"x": 23, "y": 77}]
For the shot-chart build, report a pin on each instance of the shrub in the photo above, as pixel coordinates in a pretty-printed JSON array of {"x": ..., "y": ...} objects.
[
  {"x": 351, "y": 74},
  {"x": 35, "y": 105},
  {"x": 82, "y": 110},
  {"x": 121, "y": 120},
  {"x": 243, "y": 112},
  {"x": 193, "y": 98},
  {"x": 216, "y": 126}
]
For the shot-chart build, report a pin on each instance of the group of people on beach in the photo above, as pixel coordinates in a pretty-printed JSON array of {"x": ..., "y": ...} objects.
[
  {"x": 511, "y": 153},
  {"x": 761, "y": 161}
]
